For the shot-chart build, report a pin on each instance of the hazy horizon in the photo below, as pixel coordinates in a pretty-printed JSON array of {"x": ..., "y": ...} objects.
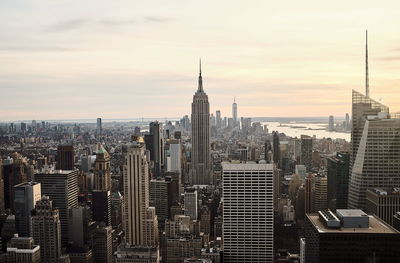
[{"x": 67, "y": 60}]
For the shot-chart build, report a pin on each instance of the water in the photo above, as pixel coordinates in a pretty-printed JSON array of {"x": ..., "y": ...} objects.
[{"x": 296, "y": 129}]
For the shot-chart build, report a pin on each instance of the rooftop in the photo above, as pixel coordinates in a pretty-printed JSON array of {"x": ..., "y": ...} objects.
[
  {"x": 376, "y": 226},
  {"x": 350, "y": 212}
]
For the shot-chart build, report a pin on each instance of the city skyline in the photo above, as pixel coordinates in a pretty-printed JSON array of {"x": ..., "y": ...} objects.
[{"x": 111, "y": 65}]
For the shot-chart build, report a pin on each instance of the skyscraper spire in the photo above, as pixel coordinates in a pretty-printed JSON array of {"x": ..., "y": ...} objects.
[
  {"x": 200, "y": 88},
  {"x": 366, "y": 65}
]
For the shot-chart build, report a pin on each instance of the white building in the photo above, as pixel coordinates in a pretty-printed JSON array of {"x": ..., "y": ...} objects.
[{"x": 248, "y": 212}]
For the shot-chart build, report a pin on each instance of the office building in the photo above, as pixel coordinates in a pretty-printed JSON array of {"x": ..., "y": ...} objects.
[
  {"x": 23, "y": 250},
  {"x": 80, "y": 220},
  {"x": 102, "y": 244},
  {"x": 377, "y": 162},
  {"x": 201, "y": 156},
  {"x": 331, "y": 124},
  {"x": 62, "y": 188},
  {"x": 320, "y": 193},
  {"x": 99, "y": 127},
  {"x": 276, "y": 149},
  {"x": 26, "y": 196},
  {"x": 2, "y": 204},
  {"x": 218, "y": 119},
  {"x": 248, "y": 212},
  {"x": 159, "y": 199},
  {"x": 117, "y": 209},
  {"x": 136, "y": 197},
  {"x": 102, "y": 171},
  {"x": 349, "y": 236},
  {"x": 46, "y": 230},
  {"x": 338, "y": 168},
  {"x": 191, "y": 204},
  {"x": 175, "y": 153},
  {"x": 306, "y": 152},
  {"x": 101, "y": 206},
  {"x": 383, "y": 202},
  {"x": 65, "y": 157},
  {"x": 154, "y": 144}
]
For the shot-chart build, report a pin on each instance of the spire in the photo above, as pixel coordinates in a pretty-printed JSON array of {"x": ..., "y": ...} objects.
[
  {"x": 366, "y": 65},
  {"x": 200, "y": 88}
]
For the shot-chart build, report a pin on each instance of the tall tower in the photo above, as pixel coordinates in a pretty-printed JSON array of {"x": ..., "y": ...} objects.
[
  {"x": 65, "y": 157},
  {"x": 234, "y": 112},
  {"x": 46, "y": 230},
  {"x": 201, "y": 159},
  {"x": 136, "y": 195}
]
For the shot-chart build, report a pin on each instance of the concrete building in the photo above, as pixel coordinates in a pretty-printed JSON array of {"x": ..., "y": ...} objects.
[
  {"x": 201, "y": 156},
  {"x": 349, "y": 236},
  {"x": 137, "y": 254},
  {"x": 248, "y": 223},
  {"x": 23, "y": 250},
  {"x": 191, "y": 204},
  {"x": 26, "y": 196},
  {"x": 102, "y": 171},
  {"x": 383, "y": 202},
  {"x": 306, "y": 152},
  {"x": 62, "y": 188},
  {"x": 136, "y": 197},
  {"x": 46, "y": 230}
]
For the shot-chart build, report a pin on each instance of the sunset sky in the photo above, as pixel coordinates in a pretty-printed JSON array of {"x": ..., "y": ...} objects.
[{"x": 127, "y": 59}]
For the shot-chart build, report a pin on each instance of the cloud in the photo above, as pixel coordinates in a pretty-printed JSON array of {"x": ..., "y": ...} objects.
[
  {"x": 392, "y": 58},
  {"x": 157, "y": 19},
  {"x": 117, "y": 22},
  {"x": 68, "y": 25},
  {"x": 7, "y": 48}
]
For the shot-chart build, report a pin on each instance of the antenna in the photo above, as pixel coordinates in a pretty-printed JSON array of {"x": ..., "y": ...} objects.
[{"x": 366, "y": 65}]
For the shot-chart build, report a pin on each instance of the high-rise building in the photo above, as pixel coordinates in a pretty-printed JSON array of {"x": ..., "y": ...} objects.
[
  {"x": 306, "y": 152},
  {"x": 102, "y": 244},
  {"x": 117, "y": 209},
  {"x": 80, "y": 220},
  {"x": 191, "y": 204},
  {"x": 276, "y": 149},
  {"x": 101, "y": 206},
  {"x": 331, "y": 123},
  {"x": 15, "y": 171},
  {"x": 321, "y": 193},
  {"x": 218, "y": 119},
  {"x": 377, "y": 162},
  {"x": 175, "y": 158},
  {"x": 338, "y": 180},
  {"x": 136, "y": 197},
  {"x": 2, "y": 204},
  {"x": 26, "y": 196},
  {"x": 201, "y": 156},
  {"x": 99, "y": 128},
  {"x": 46, "y": 230},
  {"x": 248, "y": 212},
  {"x": 102, "y": 171},
  {"x": 62, "y": 188},
  {"x": 234, "y": 112},
  {"x": 159, "y": 198},
  {"x": 65, "y": 157},
  {"x": 154, "y": 144},
  {"x": 23, "y": 250},
  {"x": 349, "y": 236},
  {"x": 383, "y": 202}
]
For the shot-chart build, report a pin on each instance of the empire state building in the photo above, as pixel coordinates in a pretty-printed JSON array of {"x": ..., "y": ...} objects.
[{"x": 201, "y": 158}]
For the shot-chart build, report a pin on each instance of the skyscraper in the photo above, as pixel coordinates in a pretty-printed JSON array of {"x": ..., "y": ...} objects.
[
  {"x": 46, "y": 230},
  {"x": 136, "y": 195},
  {"x": 101, "y": 206},
  {"x": 99, "y": 127},
  {"x": 218, "y": 119},
  {"x": 234, "y": 112},
  {"x": 65, "y": 157},
  {"x": 23, "y": 250},
  {"x": 154, "y": 143},
  {"x": 62, "y": 188},
  {"x": 276, "y": 149},
  {"x": 201, "y": 158},
  {"x": 102, "y": 171},
  {"x": 102, "y": 244},
  {"x": 306, "y": 152},
  {"x": 377, "y": 162},
  {"x": 248, "y": 212},
  {"x": 191, "y": 204},
  {"x": 26, "y": 196},
  {"x": 338, "y": 180}
]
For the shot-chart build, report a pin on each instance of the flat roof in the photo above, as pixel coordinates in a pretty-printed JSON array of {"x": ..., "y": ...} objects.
[
  {"x": 376, "y": 226},
  {"x": 350, "y": 212}
]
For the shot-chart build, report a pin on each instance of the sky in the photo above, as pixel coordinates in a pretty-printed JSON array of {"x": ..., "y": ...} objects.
[{"x": 80, "y": 59}]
